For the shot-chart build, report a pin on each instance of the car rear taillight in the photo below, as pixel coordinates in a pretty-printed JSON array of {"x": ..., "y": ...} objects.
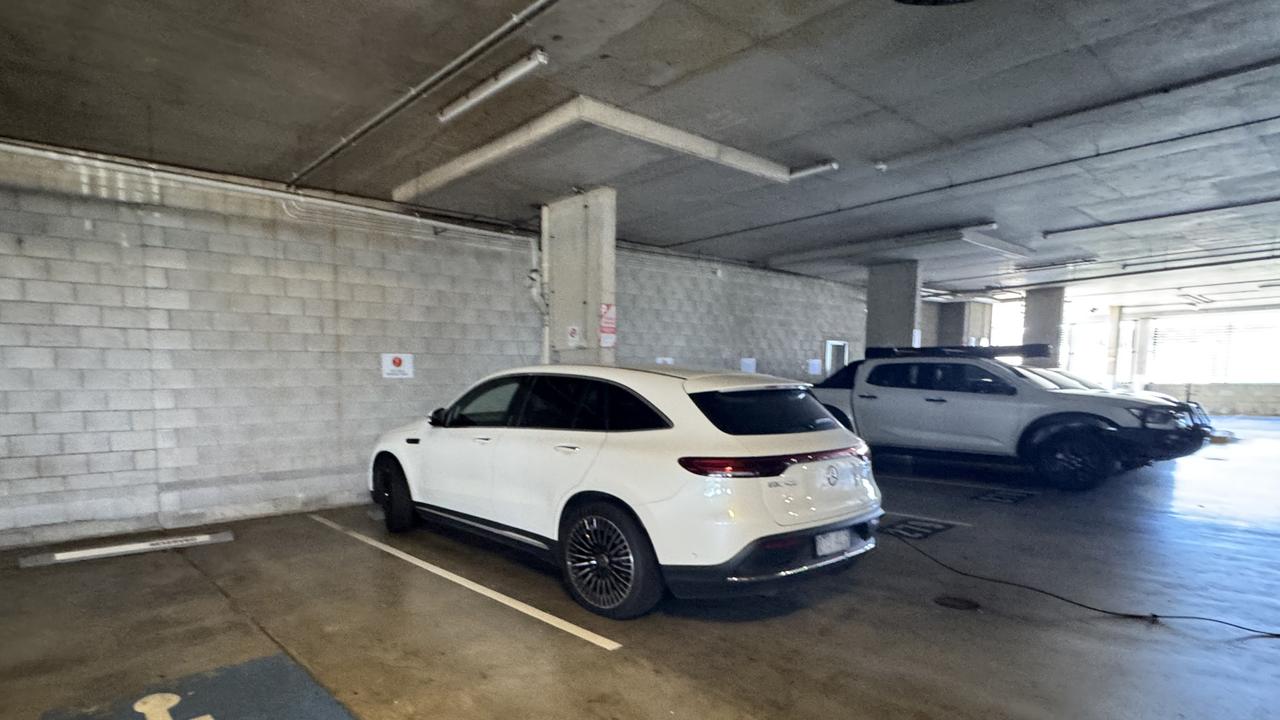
[
  {"x": 736, "y": 467},
  {"x": 766, "y": 466}
]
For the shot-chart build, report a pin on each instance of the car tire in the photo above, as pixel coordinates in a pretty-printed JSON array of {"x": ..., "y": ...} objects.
[
  {"x": 1074, "y": 460},
  {"x": 841, "y": 416},
  {"x": 397, "y": 509},
  {"x": 608, "y": 562}
]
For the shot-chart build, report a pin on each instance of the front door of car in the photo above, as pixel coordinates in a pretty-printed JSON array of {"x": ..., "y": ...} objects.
[
  {"x": 979, "y": 411},
  {"x": 548, "y": 450},
  {"x": 456, "y": 472}
]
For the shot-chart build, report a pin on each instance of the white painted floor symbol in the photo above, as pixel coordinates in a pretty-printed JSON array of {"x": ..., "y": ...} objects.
[{"x": 157, "y": 707}]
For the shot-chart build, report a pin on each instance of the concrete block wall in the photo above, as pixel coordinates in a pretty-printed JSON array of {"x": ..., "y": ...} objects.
[
  {"x": 173, "y": 366},
  {"x": 174, "y": 354},
  {"x": 1229, "y": 398},
  {"x": 707, "y": 314}
]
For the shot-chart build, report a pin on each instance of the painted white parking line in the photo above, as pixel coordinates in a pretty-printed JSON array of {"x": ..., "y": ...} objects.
[
  {"x": 926, "y": 517},
  {"x": 533, "y": 612},
  {"x": 975, "y": 486}
]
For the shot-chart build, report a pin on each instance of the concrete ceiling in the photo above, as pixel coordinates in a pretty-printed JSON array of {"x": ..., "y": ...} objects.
[{"x": 1064, "y": 121}]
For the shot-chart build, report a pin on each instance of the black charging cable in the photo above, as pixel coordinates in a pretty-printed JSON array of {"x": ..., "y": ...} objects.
[{"x": 1152, "y": 618}]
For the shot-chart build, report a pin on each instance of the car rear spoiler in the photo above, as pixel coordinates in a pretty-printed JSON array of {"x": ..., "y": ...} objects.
[
  {"x": 1035, "y": 350},
  {"x": 739, "y": 382}
]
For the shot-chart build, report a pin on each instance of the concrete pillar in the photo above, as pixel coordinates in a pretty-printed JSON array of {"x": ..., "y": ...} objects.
[
  {"x": 893, "y": 304},
  {"x": 964, "y": 323},
  {"x": 930, "y": 315},
  {"x": 1113, "y": 343},
  {"x": 1141, "y": 353},
  {"x": 1043, "y": 323},
  {"x": 578, "y": 272}
]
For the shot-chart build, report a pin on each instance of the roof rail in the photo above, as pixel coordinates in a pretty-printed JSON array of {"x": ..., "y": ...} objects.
[{"x": 1036, "y": 350}]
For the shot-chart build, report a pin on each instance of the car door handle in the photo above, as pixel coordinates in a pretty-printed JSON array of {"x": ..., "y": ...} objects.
[
  {"x": 935, "y": 400},
  {"x": 868, "y": 397},
  {"x": 567, "y": 449},
  {"x": 483, "y": 440}
]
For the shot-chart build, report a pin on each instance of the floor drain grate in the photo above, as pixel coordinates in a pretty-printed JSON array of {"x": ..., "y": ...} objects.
[
  {"x": 1004, "y": 497},
  {"x": 956, "y": 603}
]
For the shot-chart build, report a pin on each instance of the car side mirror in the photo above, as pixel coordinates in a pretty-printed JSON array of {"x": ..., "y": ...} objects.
[{"x": 436, "y": 419}]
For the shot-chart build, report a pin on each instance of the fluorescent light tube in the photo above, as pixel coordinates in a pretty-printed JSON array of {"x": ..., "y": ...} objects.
[{"x": 494, "y": 84}]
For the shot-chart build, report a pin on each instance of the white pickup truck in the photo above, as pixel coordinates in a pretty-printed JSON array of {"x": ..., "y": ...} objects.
[{"x": 963, "y": 401}]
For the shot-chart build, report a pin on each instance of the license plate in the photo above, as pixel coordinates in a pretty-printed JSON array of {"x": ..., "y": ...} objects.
[{"x": 830, "y": 543}]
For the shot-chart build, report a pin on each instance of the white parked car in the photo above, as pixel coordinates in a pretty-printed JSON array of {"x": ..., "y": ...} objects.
[
  {"x": 634, "y": 481},
  {"x": 962, "y": 401}
]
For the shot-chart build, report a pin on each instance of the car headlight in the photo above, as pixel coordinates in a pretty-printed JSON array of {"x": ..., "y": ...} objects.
[{"x": 1161, "y": 417}]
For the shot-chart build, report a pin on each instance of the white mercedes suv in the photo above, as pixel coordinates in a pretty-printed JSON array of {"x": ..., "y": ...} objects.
[{"x": 638, "y": 480}]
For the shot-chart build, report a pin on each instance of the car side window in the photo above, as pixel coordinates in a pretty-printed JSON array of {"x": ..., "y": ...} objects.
[
  {"x": 486, "y": 406},
  {"x": 963, "y": 377},
  {"x": 563, "y": 403},
  {"x": 895, "y": 375},
  {"x": 627, "y": 412},
  {"x": 551, "y": 402}
]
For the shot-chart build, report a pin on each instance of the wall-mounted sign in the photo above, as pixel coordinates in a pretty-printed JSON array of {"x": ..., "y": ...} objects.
[
  {"x": 664, "y": 361},
  {"x": 608, "y": 325},
  {"x": 815, "y": 366},
  {"x": 397, "y": 365},
  {"x": 573, "y": 336},
  {"x": 747, "y": 365}
]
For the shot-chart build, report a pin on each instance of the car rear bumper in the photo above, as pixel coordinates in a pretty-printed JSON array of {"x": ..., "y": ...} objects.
[
  {"x": 769, "y": 563},
  {"x": 1155, "y": 444}
]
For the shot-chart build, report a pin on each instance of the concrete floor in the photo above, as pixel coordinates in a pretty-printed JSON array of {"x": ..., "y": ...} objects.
[{"x": 221, "y": 625}]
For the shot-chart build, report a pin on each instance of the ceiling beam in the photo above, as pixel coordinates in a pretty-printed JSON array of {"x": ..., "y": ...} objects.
[
  {"x": 977, "y": 235},
  {"x": 583, "y": 109},
  {"x": 1259, "y": 126},
  {"x": 980, "y": 237}
]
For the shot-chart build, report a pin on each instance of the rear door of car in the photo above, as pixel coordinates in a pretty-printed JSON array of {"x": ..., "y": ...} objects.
[
  {"x": 890, "y": 407},
  {"x": 551, "y": 445}
]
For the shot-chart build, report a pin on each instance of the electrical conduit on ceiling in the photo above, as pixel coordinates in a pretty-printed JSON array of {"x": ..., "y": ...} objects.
[{"x": 436, "y": 79}]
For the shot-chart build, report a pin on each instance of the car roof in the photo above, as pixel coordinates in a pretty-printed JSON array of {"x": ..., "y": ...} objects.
[{"x": 693, "y": 379}]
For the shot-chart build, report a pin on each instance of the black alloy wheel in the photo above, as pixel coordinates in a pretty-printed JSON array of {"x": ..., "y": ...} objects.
[{"x": 608, "y": 562}]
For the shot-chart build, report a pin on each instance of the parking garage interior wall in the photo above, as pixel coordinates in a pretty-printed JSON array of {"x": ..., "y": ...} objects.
[
  {"x": 176, "y": 355},
  {"x": 701, "y": 313},
  {"x": 1260, "y": 399},
  {"x": 217, "y": 355}
]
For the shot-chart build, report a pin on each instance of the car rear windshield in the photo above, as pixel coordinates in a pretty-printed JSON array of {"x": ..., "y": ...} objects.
[{"x": 765, "y": 412}]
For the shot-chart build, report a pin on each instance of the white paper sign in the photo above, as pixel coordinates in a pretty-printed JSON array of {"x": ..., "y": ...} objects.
[
  {"x": 397, "y": 365},
  {"x": 608, "y": 325},
  {"x": 815, "y": 366},
  {"x": 573, "y": 336},
  {"x": 747, "y": 365},
  {"x": 665, "y": 361}
]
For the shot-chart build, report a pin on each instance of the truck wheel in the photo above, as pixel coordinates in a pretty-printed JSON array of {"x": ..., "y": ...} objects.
[
  {"x": 1074, "y": 460},
  {"x": 840, "y": 415}
]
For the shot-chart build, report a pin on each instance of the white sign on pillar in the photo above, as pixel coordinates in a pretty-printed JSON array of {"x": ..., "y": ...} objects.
[{"x": 608, "y": 325}]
